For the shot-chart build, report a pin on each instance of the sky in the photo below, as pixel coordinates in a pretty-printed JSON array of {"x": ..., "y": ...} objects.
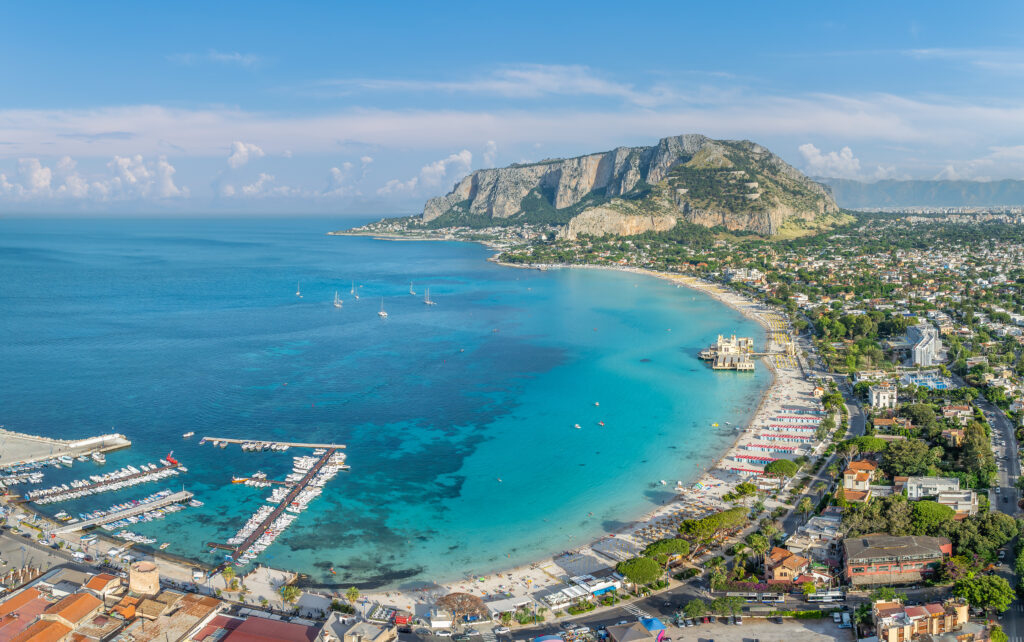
[{"x": 332, "y": 107}]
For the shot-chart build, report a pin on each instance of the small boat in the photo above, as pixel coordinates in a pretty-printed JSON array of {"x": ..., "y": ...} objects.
[
  {"x": 600, "y": 423},
  {"x": 353, "y": 291},
  {"x": 382, "y": 314},
  {"x": 164, "y": 545},
  {"x": 427, "y": 298},
  {"x": 597, "y": 403},
  {"x": 99, "y": 458},
  {"x": 238, "y": 480},
  {"x": 187, "y": 435},
  {"x": 411, "y": 291},
  {"x": 66, "y": 460},
  {"x": 337, "y": 301},
  {"x": 663, "y": 483},
  {"x": 298, "y": 290},
  {"x": 576, "y": 426},
  {"x": 82, "y": 458}
]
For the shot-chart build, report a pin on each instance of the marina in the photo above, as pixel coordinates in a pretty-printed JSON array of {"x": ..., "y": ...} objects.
[
  {"x": 17, "y": 449},
  {"x": 291, "y": 444},
  {"x": 160, "y": 500},
  {"x": 116, "y": 480}
]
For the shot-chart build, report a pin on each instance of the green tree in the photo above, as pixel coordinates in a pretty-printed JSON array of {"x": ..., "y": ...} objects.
[
  {"x": 805, "y": 507},
  {"x": 695, "y": 608},
  {"x": 228, "y": 573},
  {"x": 909, "y": 457},
  {"x": 352, "y": 594},
  {"x": 989, "y": 592},
  {"x": 808, "y": 588},
  {"x": 930, "y": 517},
  {"x": 887, "y": 594},
  {"x": 730, "y": 605},
  {"x": 781, "y": 468},
  {"x": 639, "y": 570},
  {"x": 290, "y": 593},
  {"x": 759, "y": 544},
  {"x": 997, "y": 634},
  {"x": 663, "y": 549}
]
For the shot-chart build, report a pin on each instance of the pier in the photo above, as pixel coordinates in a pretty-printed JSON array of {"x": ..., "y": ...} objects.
[
  {"x": 291, "y": 444},
  {"x": 101, "y": 486},
  {"x": 20, "y": 448},
  {"x": 174, "y": 498},
  {"x": 237, "y": 551}
]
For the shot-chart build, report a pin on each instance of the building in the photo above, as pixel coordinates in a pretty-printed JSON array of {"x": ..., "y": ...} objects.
[
  {"x": 922, "y": 487},
  {"x": 926, "y": 344},
  {"x": 960, "y": 413},
  {"x": 954, "y": 437},
  {"x": 891, "y": 423},
  {"x": 730, "y": 354},
  {"x": 634, "y": 632},
  {"x": 857, "y": 481},
  {"x": 782, "y": 565},
  {"x": 890, "y": 559},
  {"x": 895, "y": 622},
  {"x": 882, "y": 395},
  {"x": 964, "y": 502},
  {"x": 144, "y": 578}
]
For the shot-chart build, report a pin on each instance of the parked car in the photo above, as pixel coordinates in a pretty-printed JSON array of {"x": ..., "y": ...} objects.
[
  {"x": 501, "y": 630},
  {"x": 739, "y": 620},
  {"x": 444, "y": 633},
  {"x": 472, "y": 632}
]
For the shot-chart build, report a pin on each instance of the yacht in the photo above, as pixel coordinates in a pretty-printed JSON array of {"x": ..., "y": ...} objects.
[
  {"x": 411, "y": 291},
  {"x": 99, "y": 458},
  {"x": 337, "y": 301},
  {"x": 382, "y": 314},
  {"x": 187, "y": 435},
  {"x": 353, "y": 292},
  {"x": 427, "y": 298},
  {"x": 66, "y": 460},
  {"x": 298, "y": 290}
]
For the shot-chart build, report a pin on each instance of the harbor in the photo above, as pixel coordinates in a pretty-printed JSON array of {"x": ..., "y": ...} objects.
[
  {"x": 224, "y": 441},
  {"x": 116, "y": 480},
  {"x": 302, "y": 486},
  {"x": 131, "y": 511}
]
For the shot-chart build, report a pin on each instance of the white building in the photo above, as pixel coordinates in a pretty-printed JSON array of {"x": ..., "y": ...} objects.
[
  {"x": 926, "y": 344},
  {"x": 882, "y": 395},
  {"x": 961, "y": 501},
  {"x": 921, "y": 487}
]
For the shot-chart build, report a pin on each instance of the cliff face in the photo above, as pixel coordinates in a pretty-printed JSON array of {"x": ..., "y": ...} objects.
[{"x": 738, "y": 184}]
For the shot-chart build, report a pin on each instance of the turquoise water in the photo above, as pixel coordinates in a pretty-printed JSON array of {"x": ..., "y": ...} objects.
[{"x": 459, "y": 418}]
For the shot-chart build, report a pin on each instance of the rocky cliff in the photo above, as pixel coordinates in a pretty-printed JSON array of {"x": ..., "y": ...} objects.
[{"x": 736, "y": 184}]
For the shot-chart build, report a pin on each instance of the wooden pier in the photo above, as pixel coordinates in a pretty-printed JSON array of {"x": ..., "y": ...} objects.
[
  {"x": 291, "y": 444},
  {"x": 173, "y": 498},
  {"x": 100, "y": 487},
  {"x": 259, "y": 531}
]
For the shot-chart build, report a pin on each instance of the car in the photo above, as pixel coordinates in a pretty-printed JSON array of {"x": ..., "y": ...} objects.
[
  {"x": 836, "y": 617},
  {"x": 739, "y": 620},
  {"x": 472, "y": 632},
  {"x": 776, "y": 619},
  {"x": 462, "y": 637},
  {"x": 711, "y": 619},
  {"x": 501, "y": 630},
  {"x": 405, "y": 629},
  {"x": 1006, "y": 500},
  {"x": 624, "y": 622},
  {"x": 569, "y": 626},
  {"x": 580, "y": 630},
  {"x": 443, "y": 633}
]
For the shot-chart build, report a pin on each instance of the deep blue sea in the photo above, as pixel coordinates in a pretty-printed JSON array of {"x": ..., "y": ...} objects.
[{"x": 459, "y": 418}]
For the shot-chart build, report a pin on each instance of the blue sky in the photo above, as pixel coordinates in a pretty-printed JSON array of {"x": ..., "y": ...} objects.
[{"x": 336, "y": 108}]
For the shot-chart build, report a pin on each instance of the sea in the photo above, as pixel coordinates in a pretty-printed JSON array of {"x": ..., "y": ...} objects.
[{"x": 473, "y": 426}]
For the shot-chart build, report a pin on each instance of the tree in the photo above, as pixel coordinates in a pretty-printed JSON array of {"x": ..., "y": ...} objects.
[
  {"x": 989, "y": 592},
  {"x": 663, "y": 549},
  {"x": 228, "y": 573},
  {"x": 352, "y": 594},
  {"x": 639, "y": 570},
  {"x": 727, "y": 605},
  {"x": 781, "y": 468},
  {"x": 290, "y": 593},
  {"x": 695, "y": 608},
  {"x": 808, "y": 588},
  {"x": 997, "y": 634},
  {"x": 805, "y": 507},
  {"x": 909, "y": 457},
  {"x": 930, "y": 517},
  {"x": 759, "y": 544},
  {"x": 887, "y": 594}
]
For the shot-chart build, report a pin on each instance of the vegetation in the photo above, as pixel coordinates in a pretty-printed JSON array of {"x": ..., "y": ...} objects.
[
  {"x": 290, "y": 593},
  {"x": 639, "y": 570},
  {"x": 989, "y": 592}
]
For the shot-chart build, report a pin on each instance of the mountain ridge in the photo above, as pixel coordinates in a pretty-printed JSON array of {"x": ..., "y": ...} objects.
[{"x": 925, "y": 193}]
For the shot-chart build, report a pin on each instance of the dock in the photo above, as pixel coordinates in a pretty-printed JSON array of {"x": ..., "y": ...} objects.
[
  {"x": 291, "y": 444},
  {"x": 174, "y": 498},
  {"x": 237, "y": 551},
  {"x": 20, "y": 448},
  {"x": 102, "y": 486}
]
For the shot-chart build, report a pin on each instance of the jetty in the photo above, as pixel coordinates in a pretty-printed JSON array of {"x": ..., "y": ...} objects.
[
  {"x": 268, "y": 520},
  {"x": 110, "y": 481},
  {"x": 20, "y": 448},
  {"x": 173, "y": 498},
  {"x": 290, "y": 444}
]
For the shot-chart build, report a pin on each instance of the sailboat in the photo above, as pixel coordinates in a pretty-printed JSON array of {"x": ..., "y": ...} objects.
[
  {"x": 427, "y": 299},
  {"x": 353, "y": 291},
  {"x": 382, "y": 314},
  {"x": 337, "y": 301},
  {"x": 411, "y": 291},
  {"x": 298, "y": 290}
]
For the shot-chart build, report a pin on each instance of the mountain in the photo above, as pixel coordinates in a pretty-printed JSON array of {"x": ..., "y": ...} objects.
[
  {"x": 891, "y": 193},
  {"x": 738, "y": 185}
]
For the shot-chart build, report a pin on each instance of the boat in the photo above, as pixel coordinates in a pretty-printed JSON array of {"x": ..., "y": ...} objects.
[
  {"x": 411, "y": 291},
  {"x": 82, "y": 458},
  {"x": 66, "y": 460},
  {"x": 238, "y": 480},
  {"x": 382, "y": 314},
  {"x": 427, "y": 298},
  {"x": 337, "y": 301},
  {"x": 576, "y": 426},
  {"x": 187, "y": 435},
  {"x": 99, "y": 458},
  {"x": 353, "y": 291},
  {"x": 164, "y": 545},
  {"x": 298, "y": 290}
]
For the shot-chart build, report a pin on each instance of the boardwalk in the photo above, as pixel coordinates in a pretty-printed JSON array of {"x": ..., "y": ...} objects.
[
  {"x": 274, "y": 514},
  {"x": 292, "y": 444},
  {"x": 174, "y": 498}
]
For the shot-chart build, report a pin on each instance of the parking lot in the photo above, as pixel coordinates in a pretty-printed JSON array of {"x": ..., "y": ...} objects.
[{"x": 761, "y": 629}]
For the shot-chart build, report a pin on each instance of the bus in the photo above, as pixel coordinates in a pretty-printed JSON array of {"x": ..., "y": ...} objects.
[{"x": 826, "y": 596}]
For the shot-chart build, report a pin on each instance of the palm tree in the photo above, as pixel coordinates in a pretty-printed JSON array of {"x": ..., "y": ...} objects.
[
  {"x": 819, "y": 489},
  {"x": 290, "y": 593},
  {"x": 806, "y": 506},
  {"x": 759, "y": 544},
  {"x": 228, "y": 573},
  {"x": 352, "y": 594}
]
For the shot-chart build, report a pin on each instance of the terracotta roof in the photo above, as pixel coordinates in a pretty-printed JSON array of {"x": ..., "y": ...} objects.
[
  {"x": 794, "y": 562},
  {"x": 778, "y": 554},
  {"x": 916, "y": 611},
  {"x": 99, "y": 582},
  {"x": 43, "y": 631},
  {"x": 886, "y": 609},
  {"x": 258, "y": 629},
  {"x": 15, "y": 602},
  {"x": 854, "y": 495},
  {"x": 75, "y": 607},
  {"x": 866, "y": 466},
  {"x": 934, "y": 609}
]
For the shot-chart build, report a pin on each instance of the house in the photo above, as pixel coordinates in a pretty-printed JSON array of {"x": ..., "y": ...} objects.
[
  {"x": 882, "y": 395},
  {"x": 895, "y": 622},
  {"x": 891, "y": 423},
  {"x": 959, "y": 413},
  {"x": 963, "y": 502},
  {"x": 632, "y": 632},
  {"x": 103, "y": 584},
  {"x": 954, "y": 437},
  {"x": 784, "y": 566},
  {"x": 857, "y": 481},
  {"x": 818, "y": 392},
  {"x": 890, "y": 559},
  {"x": 922, "y": 487}
]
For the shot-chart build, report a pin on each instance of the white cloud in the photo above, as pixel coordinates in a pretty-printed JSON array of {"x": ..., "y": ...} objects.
[
  {"x": 130, "y": 177},
  {"x": 1000, "y": 61},
  {"x": 490, "y": 153},
  {"x": 841, "y": 164},
  {"x": 261, "y": 186},
  {"x": 220, "y": 57},
  {"x": 242, "y": 153},
  {"x": 431, "y": 174},
  {"x": 366, "y": 160},
  {"x": 35, "y": 177}
]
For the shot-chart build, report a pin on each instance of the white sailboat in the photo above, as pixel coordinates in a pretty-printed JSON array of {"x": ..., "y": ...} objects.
[
  {"x": 382, "y": 314},
  {"x": 427, "y": 299},
  {"x": 411, "y": 291},
  {"x": 337, "y": 301},
  {"x": 353, "y": 291},
  {"x": 298, "y": 290}
]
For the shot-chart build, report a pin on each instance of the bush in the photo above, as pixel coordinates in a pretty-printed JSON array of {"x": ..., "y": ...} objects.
[{"x": 688, "y": 573}]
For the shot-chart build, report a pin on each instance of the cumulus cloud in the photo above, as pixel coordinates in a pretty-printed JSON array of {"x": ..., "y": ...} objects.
[
  {"x": 841, "y": 164},
  {"x": 490, "y": 153},
  {"x": 431, "y": 174},
  {"x": 129, "y": 177},
  {"x": 242, "y": 153}
]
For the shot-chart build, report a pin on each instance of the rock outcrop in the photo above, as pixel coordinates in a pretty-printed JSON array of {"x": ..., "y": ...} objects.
[{"x": 737, "y": 184}]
